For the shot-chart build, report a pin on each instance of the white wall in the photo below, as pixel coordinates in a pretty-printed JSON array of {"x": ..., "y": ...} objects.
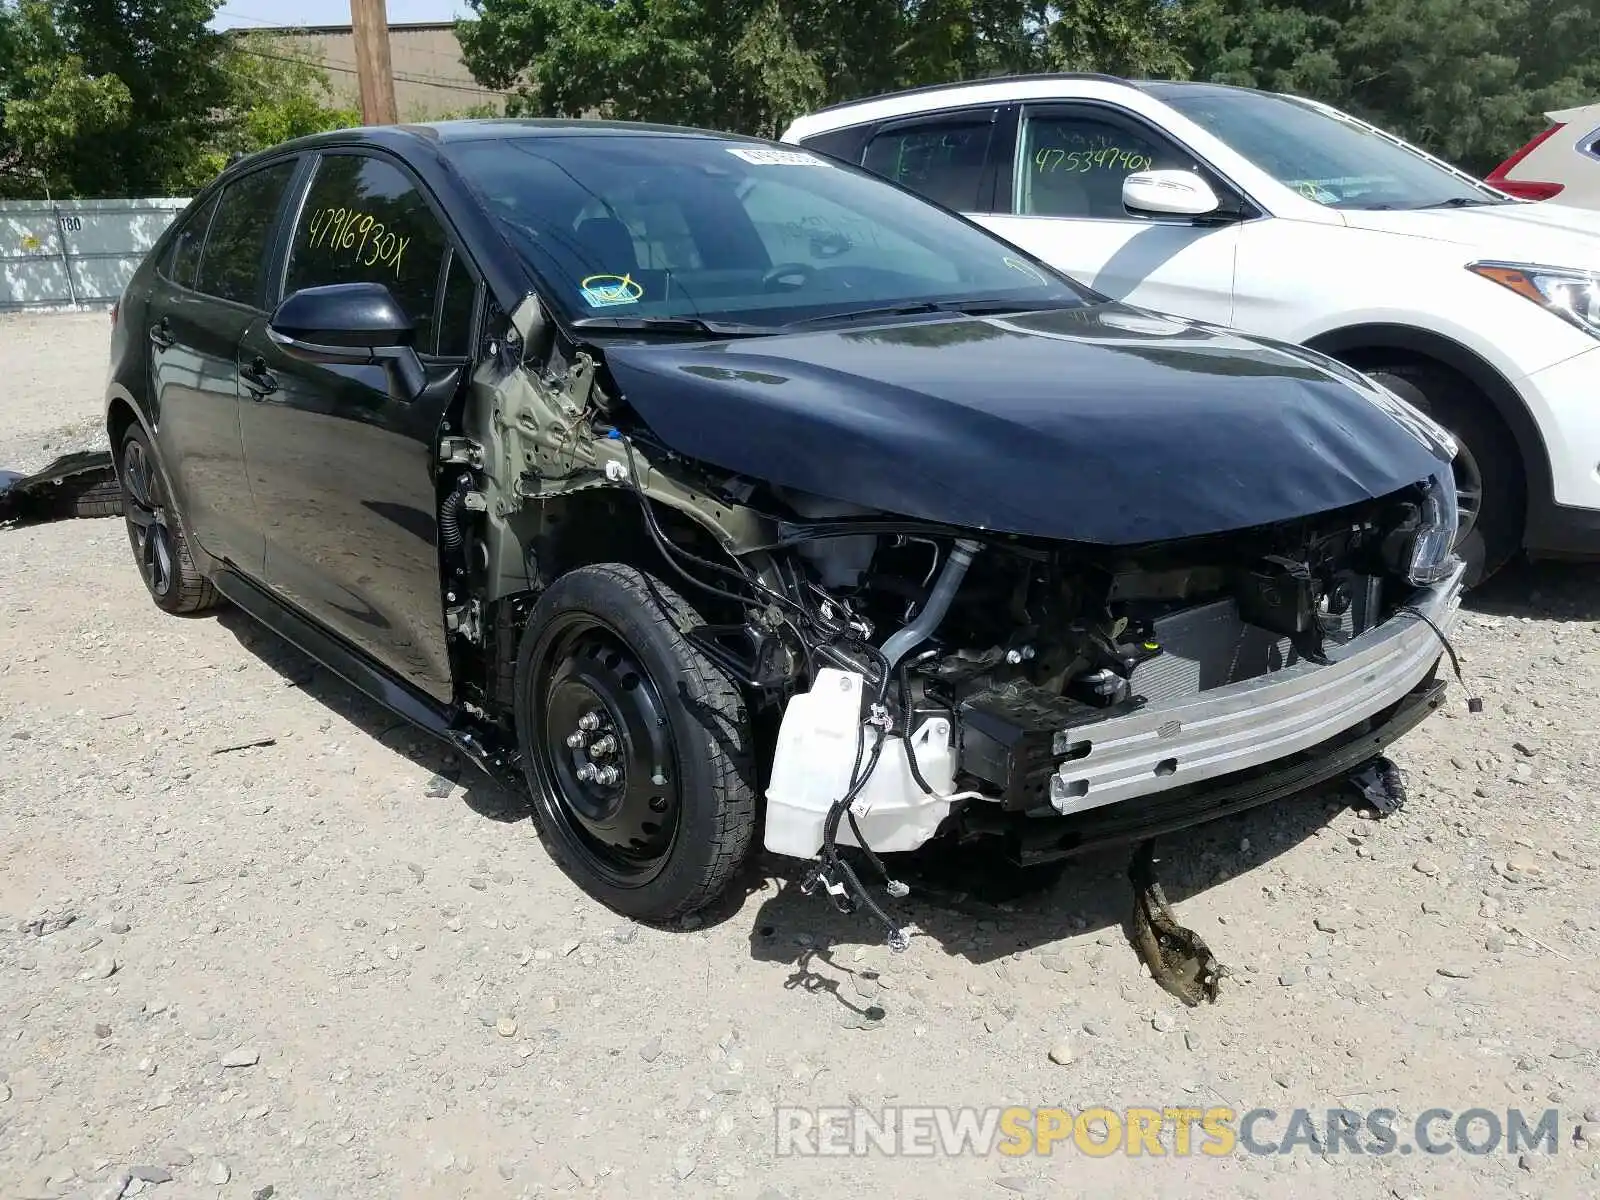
[{"x": 75, "y": 253}]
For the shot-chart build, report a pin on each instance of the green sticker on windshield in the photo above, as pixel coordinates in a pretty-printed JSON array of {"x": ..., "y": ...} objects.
[{"x": 603, "y": 291}]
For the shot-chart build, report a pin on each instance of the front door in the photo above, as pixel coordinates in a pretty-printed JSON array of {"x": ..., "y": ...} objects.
[
  {"x": 208, "y": 294},
  {"x": 1066, "y": 207},
  {"x": 342, "y": 466}
]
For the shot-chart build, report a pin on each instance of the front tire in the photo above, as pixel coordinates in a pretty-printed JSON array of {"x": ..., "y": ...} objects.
[
  {"x": 636, "y": 748},
  {"x": 1489, "y": 483}
]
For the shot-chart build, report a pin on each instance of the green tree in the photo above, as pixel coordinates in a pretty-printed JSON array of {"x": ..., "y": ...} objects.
[
  {"x": 279, "y": 90},
  {"x": 107, "y": 98},
  {"x": 753, "y": 65},
  {"x": 1468, "y": 79},
  {"x": 48, "y": 103},
  {"x": 140, "y": 97}
]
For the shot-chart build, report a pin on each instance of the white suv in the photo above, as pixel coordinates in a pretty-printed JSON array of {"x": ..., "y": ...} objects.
[{"x": 1290, "y": 219}]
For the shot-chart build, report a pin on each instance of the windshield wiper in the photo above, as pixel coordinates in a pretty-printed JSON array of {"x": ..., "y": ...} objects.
[
  {"x": 965, "y": 307},
  {"x": 674, "y": 325},
  {"x": 1467, "y": 202}
]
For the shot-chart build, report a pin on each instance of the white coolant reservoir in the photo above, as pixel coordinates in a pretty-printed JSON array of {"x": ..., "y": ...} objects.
[{"x": 812, "y": 764}]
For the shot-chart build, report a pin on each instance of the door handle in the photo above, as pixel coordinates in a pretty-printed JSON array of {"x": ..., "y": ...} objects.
[
  {"x": 260, "y": 382},
  {"x": 161, "y": 334}
]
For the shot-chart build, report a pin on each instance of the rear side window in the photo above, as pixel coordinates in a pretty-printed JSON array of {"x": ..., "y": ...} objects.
[
  {"x": 943, "y": 160},
  {"x": 184, "y": 260},
  {"x": 364, "y": 221},
  {"x": 236, "y": 249},
  {"x": 1072, "y": 163}
]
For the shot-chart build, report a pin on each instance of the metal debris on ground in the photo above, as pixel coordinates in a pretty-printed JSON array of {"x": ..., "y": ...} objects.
[
  {"x": 1381, "y": 787},
  {"x": 1178, "y": 960},
  {"x": 81, "y": 484},
  {"x": 258, "y": 744}
]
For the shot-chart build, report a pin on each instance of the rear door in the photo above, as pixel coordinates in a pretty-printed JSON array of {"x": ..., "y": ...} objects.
[
  {"x": 947, "y": 157},
  {"x": 209, "y": 291},
  {"x": 1060, "y": 196},
  {"x": 342, "y": 468}
]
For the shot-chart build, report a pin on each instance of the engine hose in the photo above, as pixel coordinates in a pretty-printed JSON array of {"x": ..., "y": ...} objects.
[
  {"x": 451, "y": 536},
  {"x": 911, "y": 750}
]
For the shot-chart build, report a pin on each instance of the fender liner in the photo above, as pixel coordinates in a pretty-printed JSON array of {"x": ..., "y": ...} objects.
[{"x": 1502, "y": 396}]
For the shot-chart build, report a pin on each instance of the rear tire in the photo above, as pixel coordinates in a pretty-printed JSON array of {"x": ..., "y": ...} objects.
[
  {"x": 607, "y": 683},
  {"x": 156, "y": 533},
  {"x": 1488, "y": 472}
]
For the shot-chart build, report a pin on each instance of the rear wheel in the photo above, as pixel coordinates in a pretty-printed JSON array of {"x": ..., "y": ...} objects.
[
  {"x": 1489, "y": 485},
  {"x": 636, "y": 748},
  {"x": 160, "y": 546}
]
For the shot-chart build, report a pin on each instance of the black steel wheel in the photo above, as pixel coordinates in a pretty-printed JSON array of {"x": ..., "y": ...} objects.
[
  {"x": 156, "y": 533},
  {"x": 634, "y": 745}
]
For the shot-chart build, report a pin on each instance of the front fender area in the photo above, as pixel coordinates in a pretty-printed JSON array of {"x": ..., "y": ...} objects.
[{"x": 1366, "y": 340}]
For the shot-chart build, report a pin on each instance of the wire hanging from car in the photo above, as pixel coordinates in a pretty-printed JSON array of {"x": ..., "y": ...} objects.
[{"x": 1474, "y": 703}]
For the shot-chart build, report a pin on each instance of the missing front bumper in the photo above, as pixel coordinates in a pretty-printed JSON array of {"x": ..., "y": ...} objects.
[
  {"x": 1047, "y": 839},
  {"x": 1172, "y": 745}
]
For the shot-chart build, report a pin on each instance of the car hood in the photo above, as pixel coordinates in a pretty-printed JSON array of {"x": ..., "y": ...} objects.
[
  {"x": 1104, "y": 424},
  {"x": 1549, "y": 235}
]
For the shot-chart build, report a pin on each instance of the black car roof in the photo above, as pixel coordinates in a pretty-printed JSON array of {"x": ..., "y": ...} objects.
[{"x": 397, "y": 137}]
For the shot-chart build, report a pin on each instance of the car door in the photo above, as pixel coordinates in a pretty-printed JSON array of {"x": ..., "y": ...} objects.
[
  {"x": 207, "y": 294},
  {"x": 1060, "y": 197},
  {"x": 341, "y": 464}
]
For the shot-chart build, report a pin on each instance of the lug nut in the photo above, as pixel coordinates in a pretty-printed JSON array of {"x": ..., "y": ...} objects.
[
  {"x": 603, "y": 745},
  {"x": 589, "y": 722},
  {"x": 588, "y": 772},
  {"x": 576, "y": 739},
  {"x": 607, "y": 776}
]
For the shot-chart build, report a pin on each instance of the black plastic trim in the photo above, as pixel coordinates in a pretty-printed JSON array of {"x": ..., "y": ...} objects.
[{"x": 361, "y": 672}]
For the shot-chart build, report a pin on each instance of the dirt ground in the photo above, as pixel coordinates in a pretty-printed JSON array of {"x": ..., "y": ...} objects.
[{"x": 335, "y": 964}]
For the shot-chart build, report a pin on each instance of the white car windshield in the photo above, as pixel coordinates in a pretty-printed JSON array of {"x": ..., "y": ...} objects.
[{"x": 1326, "y": 158}]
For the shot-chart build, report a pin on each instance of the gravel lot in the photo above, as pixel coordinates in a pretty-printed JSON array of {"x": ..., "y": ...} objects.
[{"x": 332, "y": 964}]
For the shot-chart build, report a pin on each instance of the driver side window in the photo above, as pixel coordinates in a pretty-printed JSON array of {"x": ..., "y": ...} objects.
[
  {"x": 1072, "y": 163},
  {"x": 365, "y": 222}
]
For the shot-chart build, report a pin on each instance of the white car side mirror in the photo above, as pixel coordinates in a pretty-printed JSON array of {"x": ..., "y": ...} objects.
[{"x": 1168, "y": 194}]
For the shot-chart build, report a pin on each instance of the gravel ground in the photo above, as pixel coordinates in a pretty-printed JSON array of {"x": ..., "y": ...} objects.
[{"x": 330, "y": 963}]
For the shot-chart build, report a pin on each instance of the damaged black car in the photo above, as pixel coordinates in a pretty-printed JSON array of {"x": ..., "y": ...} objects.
[{"x": 722, "y": 495}]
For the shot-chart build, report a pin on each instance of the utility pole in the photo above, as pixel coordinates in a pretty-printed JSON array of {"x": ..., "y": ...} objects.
[{"x": 369, "y": 24}]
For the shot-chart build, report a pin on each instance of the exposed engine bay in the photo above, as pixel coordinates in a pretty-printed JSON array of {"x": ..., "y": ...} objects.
[{"x": 912, "y": 680}]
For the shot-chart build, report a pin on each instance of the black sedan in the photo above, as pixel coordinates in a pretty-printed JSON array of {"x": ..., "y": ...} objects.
[{"x": 712, "y": 490}]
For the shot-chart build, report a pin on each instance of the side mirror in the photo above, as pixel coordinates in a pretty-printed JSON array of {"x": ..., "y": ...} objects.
[
  {"x": 1168, "y": 194},
  {"x": 356, "y": 324}
]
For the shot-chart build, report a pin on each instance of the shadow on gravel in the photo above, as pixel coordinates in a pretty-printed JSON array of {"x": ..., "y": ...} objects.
[
  {"x": 978, "y": 908},
  {"x": 480, "y": 793},
  {"x": 1550, "y": 591}
]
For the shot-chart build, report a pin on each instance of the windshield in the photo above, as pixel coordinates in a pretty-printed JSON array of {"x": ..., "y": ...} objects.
[
  {"x": 1325, "y": 158},
  {"x": 657, "y": 225}
]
